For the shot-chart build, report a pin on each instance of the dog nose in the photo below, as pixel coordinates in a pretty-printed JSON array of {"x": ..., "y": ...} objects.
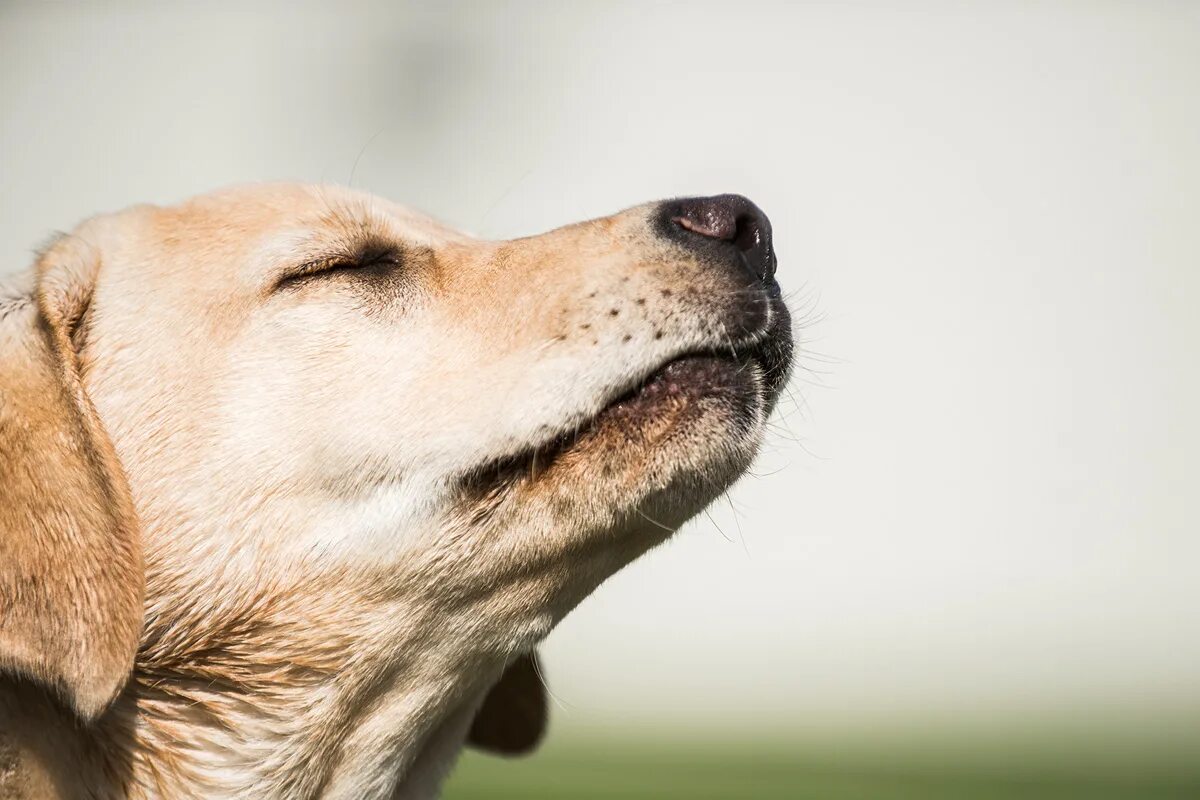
[{"x": 734, "y": 219}]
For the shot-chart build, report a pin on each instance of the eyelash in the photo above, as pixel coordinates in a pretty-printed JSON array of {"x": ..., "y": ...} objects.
[{"x": 381, "y": 262}]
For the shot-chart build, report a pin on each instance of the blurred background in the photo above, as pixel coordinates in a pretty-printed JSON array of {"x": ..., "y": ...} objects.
[{"x": 968, "y": 562}]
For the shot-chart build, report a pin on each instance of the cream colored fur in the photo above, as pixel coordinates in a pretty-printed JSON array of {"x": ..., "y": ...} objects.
[{"x": 260, "y": 537}]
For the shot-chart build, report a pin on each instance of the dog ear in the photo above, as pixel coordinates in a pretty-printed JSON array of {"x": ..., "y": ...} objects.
[
  {"x": 512, "y": 719},
  {"x": 71, "y": 579}
]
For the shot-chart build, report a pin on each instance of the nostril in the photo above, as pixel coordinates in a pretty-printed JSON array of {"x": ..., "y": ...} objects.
[
  {"x": 734, "y": 219},
  {"x": 709, "y": 220}
]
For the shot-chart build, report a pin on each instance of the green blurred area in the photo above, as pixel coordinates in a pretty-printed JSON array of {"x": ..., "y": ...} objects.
[{"x": 611, "y": 768}]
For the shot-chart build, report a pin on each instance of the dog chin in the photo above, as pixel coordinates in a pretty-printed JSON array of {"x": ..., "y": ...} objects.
[
  {"x": 650, "y": 459},
  {"x": 656, "y": 454},
  {"x": 669, "y": 450}
]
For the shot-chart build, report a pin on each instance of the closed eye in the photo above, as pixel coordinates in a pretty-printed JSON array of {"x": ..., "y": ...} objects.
[{"x": 367, "y": 263}]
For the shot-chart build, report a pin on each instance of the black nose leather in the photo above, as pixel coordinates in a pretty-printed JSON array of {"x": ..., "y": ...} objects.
[{"x": 734, "y": 219}]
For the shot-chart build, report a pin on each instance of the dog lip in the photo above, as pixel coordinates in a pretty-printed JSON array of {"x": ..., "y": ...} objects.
[
  {"x": 739, "y": 354},
  {"x": 698, "y": 372},
  {"x": 692, "y": 371}
]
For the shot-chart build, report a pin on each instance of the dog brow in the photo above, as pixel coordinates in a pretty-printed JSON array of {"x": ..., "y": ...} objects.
[{"x": 332, "y": 239}]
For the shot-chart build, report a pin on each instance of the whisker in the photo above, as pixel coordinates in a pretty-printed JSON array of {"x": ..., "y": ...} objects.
[
  {"x": 541, "y": 676},
  {"x": 650, "y": 519},
  {"x": 737, "y": 520},
  {"x": 756, "y": 474},
  {"x": 354, "y": 167},
  {"x": 718, "y": 527}
]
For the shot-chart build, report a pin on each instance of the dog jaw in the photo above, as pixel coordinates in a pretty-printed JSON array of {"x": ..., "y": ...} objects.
[{"x": 332, "y": 578}]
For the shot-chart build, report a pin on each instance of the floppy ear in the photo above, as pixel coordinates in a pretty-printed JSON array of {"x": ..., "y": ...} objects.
[
  {"x": 70, "y": 558},
  {"x": 512, "y": 719}
]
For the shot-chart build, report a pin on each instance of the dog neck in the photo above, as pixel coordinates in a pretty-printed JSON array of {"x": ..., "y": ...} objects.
[
  {"x": 274, "y": 702},
  {"x": 322, "y": 674}
]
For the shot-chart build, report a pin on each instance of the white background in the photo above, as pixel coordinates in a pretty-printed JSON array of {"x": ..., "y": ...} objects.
[{"x": 980, "y": 502}]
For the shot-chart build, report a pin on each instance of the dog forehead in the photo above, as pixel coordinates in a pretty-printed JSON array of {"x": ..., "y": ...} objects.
[
  {"x": 315, "y": 211},
  {"x": 240, "y": 235}
]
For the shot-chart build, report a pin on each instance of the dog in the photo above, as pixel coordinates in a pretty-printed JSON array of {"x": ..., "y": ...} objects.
[{"x": 293, "y": 480}]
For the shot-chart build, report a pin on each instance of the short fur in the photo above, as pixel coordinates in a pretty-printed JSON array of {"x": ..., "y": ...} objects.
[{"x": 290, "y": 476}]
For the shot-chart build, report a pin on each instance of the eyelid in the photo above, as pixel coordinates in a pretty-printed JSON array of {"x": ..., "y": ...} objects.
[{"x": 335, "y": 263}]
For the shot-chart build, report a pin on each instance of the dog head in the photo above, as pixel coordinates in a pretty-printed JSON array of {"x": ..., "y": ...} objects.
[{"x": 325, "y": 407}]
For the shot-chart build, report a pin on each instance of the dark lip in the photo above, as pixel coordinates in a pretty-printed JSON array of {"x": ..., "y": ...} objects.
[{"x": 770, "y": 351}]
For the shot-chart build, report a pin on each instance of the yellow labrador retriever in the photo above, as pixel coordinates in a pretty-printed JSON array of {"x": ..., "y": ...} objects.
[{"x": 293, "y": 480}]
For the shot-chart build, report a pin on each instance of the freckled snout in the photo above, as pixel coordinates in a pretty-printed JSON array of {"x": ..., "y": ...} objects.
[{"x": 726, "y": 222}]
